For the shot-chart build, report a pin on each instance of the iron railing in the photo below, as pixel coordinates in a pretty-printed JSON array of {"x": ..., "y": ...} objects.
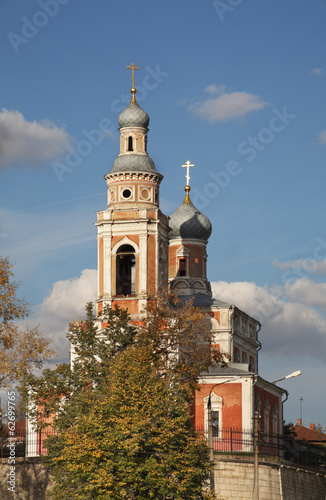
[
  {"x": 225, "y": 440},
  {"x": 241, "y": 441},
  {"x": 24, "y": 444}
]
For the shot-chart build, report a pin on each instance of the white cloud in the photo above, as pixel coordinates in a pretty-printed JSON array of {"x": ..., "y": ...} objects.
[
  {"x": 185, "y": 101},
  {"x": 215, "y": 89},
  {"x": 224, "y": 106},
  {"x": 29, "y": 142},
  {"x": 302, "y": 267},
  {"x": 307, "y": 292},
  {"x": 317, "y": 71},
  {"x": 321, "y": 139},
  {"x": 288, "y": 328},
  {"x": 65, "y": 302}
]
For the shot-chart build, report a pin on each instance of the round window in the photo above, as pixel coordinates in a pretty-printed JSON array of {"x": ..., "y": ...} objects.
[
  {"x": 145, "y": 195},
  {"x": 126, "y": 193}
]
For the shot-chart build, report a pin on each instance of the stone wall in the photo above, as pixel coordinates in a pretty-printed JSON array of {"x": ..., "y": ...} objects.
[
  {"x": 30, "y": 479},
  {"x": 234, "y": 479}
]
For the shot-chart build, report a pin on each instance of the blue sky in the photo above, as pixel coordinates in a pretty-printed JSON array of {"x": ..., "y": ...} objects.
[{"x": 238, "y": 88}]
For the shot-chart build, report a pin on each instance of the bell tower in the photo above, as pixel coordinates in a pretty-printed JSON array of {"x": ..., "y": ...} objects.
[{"x": 132, "y": 231}]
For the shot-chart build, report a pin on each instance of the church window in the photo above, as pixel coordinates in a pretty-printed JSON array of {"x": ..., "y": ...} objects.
[
  {"x": 275, "y": 422},
  {"x": 216, "y": 415},
  {"x": 145, "y": 194},
  {"x": 130, "y": 145},
  {"x": 215, "y": 423},
  {"x": 182, "y": 262},
  {"x": 126, "y": 193},
  {"x": 236, "y": 355},
  {"x": 266, "y": 417},
  {"x": 126, "y": 271}
]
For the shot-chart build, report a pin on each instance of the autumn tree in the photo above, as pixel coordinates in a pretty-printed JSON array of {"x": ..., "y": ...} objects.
[
  {"x": 21, "y": 348},
  {"x": 122, "y": 409}
]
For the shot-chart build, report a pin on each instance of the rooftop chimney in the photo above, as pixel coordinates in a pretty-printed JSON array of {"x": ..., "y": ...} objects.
[
  {"x": 299, "y": 422},
  {"x": 312, "y": 426}
]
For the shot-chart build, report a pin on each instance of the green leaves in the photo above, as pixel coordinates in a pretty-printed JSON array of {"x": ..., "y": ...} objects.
[{"x": 122, "y": 411}]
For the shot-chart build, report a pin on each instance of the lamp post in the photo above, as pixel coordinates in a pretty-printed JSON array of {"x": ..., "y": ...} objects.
[
  {"x": 210, "y": 430},
  {"x": 256, "y": 433}
]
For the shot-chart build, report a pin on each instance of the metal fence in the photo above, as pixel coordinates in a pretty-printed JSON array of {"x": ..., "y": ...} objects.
[
  {"x": 24, "y": 444},
  {"x": 233, "y": 440},
  {"x": 227, "y": 440},
  {"x": 241, "y": 441}
]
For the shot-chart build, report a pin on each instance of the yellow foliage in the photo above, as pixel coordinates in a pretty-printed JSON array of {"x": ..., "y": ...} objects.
[{"x": 20, "y": 348}]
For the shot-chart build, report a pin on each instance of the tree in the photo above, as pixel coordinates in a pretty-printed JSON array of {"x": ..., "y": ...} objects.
[
  {"x": 21, "y": 348},
  {"x": 123, "y": 422}
]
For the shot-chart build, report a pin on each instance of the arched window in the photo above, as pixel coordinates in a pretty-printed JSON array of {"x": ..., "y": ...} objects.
[
  {"x": 275, "y": 422},
  {"x": 182, "y": 262},
  {"x": 125, "y": 269},
  {"x": 216, "y": 414},
  {"x": 266, "y": 417},
  {"x": 130, "y": 146}
]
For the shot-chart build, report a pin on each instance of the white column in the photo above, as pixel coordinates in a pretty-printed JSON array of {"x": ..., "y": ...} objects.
[{"x": 143, "y": 264}]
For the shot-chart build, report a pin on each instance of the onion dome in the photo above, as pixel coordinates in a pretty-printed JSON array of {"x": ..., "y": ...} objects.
[
  {"x": 188, "y": 222},
  {"x": 133, "y": 116},
  {"x": 133, "y": 163}
]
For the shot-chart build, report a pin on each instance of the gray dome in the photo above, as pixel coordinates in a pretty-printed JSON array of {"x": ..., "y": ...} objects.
[
  {"x": 133, "y": 163},
  {"x": 188, "y": 222},
  {"x": 132, "y": 116}
]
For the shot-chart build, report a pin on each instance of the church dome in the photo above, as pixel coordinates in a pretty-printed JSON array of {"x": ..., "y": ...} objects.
[
  {"x": 188, "y": 222},
  {"x": 133, "y": 116},
  {"x": 134, "y": 163}
]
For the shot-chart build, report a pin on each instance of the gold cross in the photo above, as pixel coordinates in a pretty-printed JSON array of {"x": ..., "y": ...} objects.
[
  {"x": 187, "y": 165},
  {"x": 133, "y": 67}
]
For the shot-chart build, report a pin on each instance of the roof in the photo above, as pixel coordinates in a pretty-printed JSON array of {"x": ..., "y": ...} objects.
[
  {"x": 203, "y": 300},
  {"x": 134, "y": 163},
  {"x": 133, "y": 116},
  {"x": 230, "y": 370},
  {"x": 188, "y": 222},
  {"x": 309, "y": 434}
]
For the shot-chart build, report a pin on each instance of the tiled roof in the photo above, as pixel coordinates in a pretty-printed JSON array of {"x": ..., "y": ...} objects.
[
  {"x": 133, "y": 163},
  {"x": 133, "y": 115},
  {"x": 188, "y": 222},
  {"x": 309, "y": 434}
]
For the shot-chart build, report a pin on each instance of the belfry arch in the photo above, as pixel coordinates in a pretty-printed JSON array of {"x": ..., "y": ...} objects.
[{"x": 126, "y": 270}]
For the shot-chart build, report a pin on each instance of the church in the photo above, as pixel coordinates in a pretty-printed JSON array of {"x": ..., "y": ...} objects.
[{"x": 141, "y": 250}]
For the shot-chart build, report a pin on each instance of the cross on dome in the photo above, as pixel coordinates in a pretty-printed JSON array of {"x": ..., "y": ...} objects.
[
  {"x": 133, "y": 90},
  {"x": 187, "y": 166}
]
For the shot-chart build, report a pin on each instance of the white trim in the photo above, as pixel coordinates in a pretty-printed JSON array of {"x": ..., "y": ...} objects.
[
  {"x": 216, "y": 405},
  {"x": 125, "y": 241}
]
